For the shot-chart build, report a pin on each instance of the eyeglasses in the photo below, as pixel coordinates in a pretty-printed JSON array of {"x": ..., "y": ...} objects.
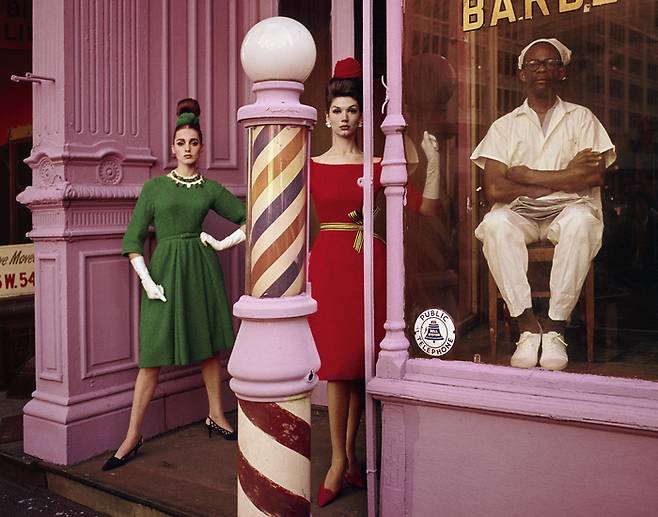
[{"x": 549, "y": 64}]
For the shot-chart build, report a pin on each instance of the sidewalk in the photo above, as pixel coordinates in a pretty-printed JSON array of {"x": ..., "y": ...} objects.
[
  {"x": 181, "y": 473},
  {"x": 17, "y": 500}
]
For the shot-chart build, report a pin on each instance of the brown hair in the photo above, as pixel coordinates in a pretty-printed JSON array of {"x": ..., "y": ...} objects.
[
  {"x": 344, "y": 87},
  {"x": 188, "y": 105}
]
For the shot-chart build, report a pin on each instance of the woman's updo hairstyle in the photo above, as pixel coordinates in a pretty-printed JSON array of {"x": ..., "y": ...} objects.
[
  {"x": 346, "y": 81},
  {"x": 188, "y": 111}
]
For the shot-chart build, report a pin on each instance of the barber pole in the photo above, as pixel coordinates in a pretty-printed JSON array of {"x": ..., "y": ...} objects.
[
  {"x": 274, "y": 360},
  {"x": 273, "y": 435},
  {"x": 277, "y": 204}
]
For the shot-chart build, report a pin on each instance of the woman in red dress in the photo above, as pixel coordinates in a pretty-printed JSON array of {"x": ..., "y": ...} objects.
[{"x": 336, "y": 275}]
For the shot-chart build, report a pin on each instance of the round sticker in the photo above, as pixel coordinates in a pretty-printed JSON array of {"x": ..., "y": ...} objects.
[{"x": 434, "y": 331}]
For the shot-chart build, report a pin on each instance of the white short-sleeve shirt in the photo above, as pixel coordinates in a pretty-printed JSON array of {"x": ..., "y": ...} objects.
[{"x": 517, "y": 138}]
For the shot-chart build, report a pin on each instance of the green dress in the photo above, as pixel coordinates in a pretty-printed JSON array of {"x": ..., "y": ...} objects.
[{"x": 195, "y": 321}]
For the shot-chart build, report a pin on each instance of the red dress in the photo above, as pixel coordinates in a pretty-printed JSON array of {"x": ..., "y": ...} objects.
[{"x": 336, "y": 273}]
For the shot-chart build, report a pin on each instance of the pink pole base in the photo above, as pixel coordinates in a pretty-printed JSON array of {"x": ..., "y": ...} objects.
[{"x": 274, "y": 355}]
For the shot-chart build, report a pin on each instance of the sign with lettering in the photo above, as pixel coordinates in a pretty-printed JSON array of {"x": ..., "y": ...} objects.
[
  {"x": 15, "y": 24},
  {"x": 16, "y": 270},
  {"x": 434, "y": 331},
  {"x": 478, "y": 13}
]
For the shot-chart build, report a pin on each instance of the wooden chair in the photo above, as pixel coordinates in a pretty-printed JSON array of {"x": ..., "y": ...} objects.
[{"x": 543, "y": 252}]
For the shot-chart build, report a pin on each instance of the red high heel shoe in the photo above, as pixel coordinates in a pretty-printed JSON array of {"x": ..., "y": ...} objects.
[{"x": 326, "y": 496}]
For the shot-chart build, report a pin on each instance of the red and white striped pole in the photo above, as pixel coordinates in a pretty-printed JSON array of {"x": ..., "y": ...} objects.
[{"x": 274, "y": 360}]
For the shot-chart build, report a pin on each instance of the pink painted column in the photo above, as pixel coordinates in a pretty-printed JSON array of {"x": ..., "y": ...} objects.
[
  {"x": 90, "y": 156},
  {"x": 394, "y": 348},
  {"x": 274, "y": 360}
]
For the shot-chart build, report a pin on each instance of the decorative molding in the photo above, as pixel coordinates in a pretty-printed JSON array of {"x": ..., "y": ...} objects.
[
  {"x": 109, "y": 171},
  {"x": 48, "y": 174},
  {"x": 34, "y": 196},
  {"x": 538, "y": 396},
  {"x": 90, "y": 297},
  {"x": 49, "y": 312},
  {"x": 96, "y": 153},
  {"x": 99, "y": 218},
  {"x": 102, "y": 192},
  {"x": 50, "y": 217},
  {"x": 106, "y": 56},
  {"x": 222, "y": 83}
]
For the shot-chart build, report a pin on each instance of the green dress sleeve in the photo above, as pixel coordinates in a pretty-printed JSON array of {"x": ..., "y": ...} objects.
[
  {"x": 228, "y": 206},
  {"x": 142, "y": 217}
]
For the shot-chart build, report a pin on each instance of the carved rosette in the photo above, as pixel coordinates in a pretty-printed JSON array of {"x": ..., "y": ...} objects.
[
  {"x": 109, "y": 172},
  {"x": 47, "y": 173}
]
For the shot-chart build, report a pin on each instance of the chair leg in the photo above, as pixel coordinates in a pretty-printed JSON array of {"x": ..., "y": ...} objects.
[
  {"x": 493, "y": 316},
  {"x": 589, "y": 313}
]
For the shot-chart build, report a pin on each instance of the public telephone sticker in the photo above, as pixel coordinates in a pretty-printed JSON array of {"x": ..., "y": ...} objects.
[{"x": 434, "y": 331}]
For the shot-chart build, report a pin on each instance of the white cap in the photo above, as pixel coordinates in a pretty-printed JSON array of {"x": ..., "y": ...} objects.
[{"x": 565, "y": 53}]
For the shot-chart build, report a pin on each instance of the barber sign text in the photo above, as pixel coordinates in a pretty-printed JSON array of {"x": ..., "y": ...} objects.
[
  {"x": 477, "y": 13},
  {"x": 434, "y": 331},
  {"x": 16, "y": 270}
]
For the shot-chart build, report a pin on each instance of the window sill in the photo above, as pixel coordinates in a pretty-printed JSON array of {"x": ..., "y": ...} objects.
[{"x": 563, "y": 396}]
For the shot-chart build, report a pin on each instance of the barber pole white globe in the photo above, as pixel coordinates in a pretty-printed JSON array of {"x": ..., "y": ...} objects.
[{"x": 274, "y": 360}]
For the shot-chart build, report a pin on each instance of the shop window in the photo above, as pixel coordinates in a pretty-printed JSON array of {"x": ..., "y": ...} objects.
[
  {"x": 635, "y": 66},
  {"x": 596, "y": 83},
  {"x": 652, "y": 97},
  {"x": 635, "y": 36},
  {"x": 617, "y": 32},
  {"x": 475, "y": 82},
  {"x": 635, "y": 93},
  {"x": 617, "y": 62},
  {"x": 616, "y": 88},
  {"x": 617, "y": 118}
]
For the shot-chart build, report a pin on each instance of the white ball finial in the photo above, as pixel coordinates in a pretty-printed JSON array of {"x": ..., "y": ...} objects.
[{"x": 278, "y": 48}]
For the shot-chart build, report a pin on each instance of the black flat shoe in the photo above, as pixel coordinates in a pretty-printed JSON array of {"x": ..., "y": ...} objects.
[
  {"x": 224, "y": 433},
  {"x": 113, "y": 462}
]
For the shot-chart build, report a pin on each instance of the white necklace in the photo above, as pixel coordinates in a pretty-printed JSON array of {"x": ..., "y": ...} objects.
[{"x": 186, "y": 181}]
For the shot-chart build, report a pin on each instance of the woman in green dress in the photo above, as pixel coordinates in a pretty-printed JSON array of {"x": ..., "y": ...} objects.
[{"x": 185, "y": 315}]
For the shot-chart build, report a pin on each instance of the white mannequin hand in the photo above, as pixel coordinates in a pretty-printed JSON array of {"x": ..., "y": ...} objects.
[
  {"x": 153, "y": 290},
  {"x": 236, "y": 237},
  {"x": 430, "y": 147}
]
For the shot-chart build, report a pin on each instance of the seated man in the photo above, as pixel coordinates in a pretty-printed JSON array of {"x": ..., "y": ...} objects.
[{"x": 543, "y": 165}]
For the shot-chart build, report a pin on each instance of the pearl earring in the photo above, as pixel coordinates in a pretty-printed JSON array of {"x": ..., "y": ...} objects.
[
  {"x": 361, "y": 123},
  {"x": 327, "y": 123}
]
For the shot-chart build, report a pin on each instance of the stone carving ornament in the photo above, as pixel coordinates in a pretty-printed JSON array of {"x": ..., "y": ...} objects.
[
  {"x": 47, "y": 172},
  {"x": 109, "y": 172}
]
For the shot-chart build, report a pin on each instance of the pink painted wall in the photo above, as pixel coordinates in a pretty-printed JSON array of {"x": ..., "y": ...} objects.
[{"x": 470, "y": 463}]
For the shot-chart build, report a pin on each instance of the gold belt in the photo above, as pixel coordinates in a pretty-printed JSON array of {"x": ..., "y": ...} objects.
[{"x": 351, "y": 227}]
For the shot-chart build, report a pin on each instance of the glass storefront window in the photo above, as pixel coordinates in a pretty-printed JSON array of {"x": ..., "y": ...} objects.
[{"x": 460, "y": 75}]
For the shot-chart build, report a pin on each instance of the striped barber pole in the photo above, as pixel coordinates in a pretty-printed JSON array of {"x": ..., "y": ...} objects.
[
  {"x": 277, "y": 205},
  {"x": 274, "y": 457}
]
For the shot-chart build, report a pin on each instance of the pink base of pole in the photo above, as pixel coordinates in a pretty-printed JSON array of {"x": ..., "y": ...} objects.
[{"x": 274, "y": 355}]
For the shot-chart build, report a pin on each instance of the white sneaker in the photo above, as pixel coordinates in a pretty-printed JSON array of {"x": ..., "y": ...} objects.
[
  {"x": 527, "y": 350},
  {"x": 553, "y": 352}
]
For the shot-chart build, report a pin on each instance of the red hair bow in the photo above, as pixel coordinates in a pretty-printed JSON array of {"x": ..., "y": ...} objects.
[{"x": 348, "y": 68}]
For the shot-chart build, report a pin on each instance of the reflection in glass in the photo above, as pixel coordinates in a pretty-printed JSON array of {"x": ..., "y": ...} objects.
[{"x": 456, "y": 84}]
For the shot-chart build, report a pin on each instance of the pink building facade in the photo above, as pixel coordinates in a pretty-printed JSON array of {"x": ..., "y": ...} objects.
[{"x": 463, "y": 434}]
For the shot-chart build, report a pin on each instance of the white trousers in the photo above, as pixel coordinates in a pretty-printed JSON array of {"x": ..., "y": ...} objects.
[{"x": 576, "y": 233}]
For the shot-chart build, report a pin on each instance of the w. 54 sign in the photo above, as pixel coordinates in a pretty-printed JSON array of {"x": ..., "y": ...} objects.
[{"x": 16, "y": 270}]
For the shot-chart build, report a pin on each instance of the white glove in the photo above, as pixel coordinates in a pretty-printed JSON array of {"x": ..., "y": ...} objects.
[
  {"x": 430, "y": 147},
  {"x": 153, "y": 290},
  {"x": 236, "y": 237}
]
